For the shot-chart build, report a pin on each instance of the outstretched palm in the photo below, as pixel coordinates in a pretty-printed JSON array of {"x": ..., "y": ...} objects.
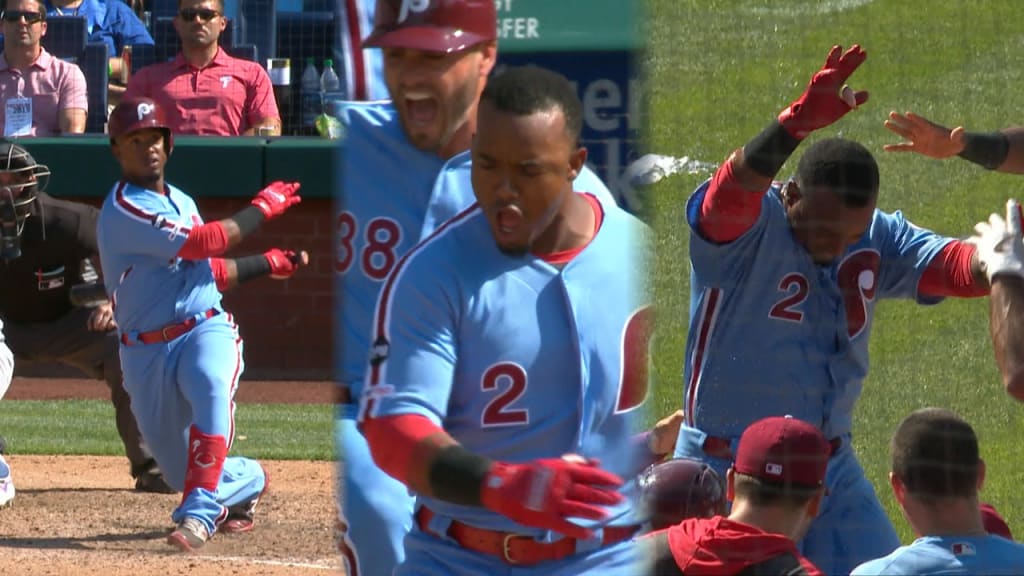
[{"x": 924, "y": 136}]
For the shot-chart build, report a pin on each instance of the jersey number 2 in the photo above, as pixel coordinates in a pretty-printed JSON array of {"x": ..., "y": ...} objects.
[
  {"x": 636, "y": 338},
  {"x": 378, "y": 257}
]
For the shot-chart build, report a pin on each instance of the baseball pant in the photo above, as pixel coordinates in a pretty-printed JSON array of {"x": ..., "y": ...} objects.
[
  {"x": 68, "y": 341},
  {"x": 375, "y": 509},
  {"x": 428, "y": 555},
  {"x": 191, "y": 382},
  {"x": 852, "y": 527}
]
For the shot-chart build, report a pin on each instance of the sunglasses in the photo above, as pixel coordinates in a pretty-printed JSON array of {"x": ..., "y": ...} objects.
[
  {"x": 16, "y": 16},
  {"x": 204, "y": 14}
]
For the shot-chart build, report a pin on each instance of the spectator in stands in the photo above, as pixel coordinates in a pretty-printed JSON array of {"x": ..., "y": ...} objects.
[
  {"x": 936, "y": 474},
  {"x": 42, "y": 95},
  {"x": 204, "y": 90},
  {"x": 110, "y": 22}
]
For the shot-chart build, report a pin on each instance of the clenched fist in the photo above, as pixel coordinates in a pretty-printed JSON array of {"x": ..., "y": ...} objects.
[{"x": 284, "y": 263}]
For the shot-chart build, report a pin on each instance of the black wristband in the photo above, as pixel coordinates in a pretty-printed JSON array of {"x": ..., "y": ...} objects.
[
  {"x": 248, "y": 219},
  {"x": 457, "y": 475},
  {"x": 987, "y": 149},
  {"x": 770, "y": 149},
  {"x": 249, "y": 267}
]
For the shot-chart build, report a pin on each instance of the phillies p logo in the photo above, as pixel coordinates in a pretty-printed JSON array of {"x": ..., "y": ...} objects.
[
  {"x": 417, "y": 6},
  {"x": 144, "y": 109}
]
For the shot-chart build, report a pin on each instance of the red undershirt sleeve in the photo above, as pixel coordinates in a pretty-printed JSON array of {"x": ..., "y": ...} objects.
[
  {"x": 204, "y": 241},
  {"x": 728, "y": 209},
  {"x": 395, "y": 440},
  {"x": 949, "y": 273}
]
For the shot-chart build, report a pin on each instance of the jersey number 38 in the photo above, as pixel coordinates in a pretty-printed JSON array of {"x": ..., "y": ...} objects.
[{"x": 378, "y": 256}]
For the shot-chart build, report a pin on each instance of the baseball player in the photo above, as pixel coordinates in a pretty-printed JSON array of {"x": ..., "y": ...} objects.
[
  {"x": 1002, "y": 150},
  {"x": 43, "y": 243},
  {"x": 936, "y": 475},
  {"x": 404, "y": 170},
  {"x": 1001, "y": 253},
  {"x": 776, "y": 485},
  {"x": 180, "y": 350},
  {"x": 785, "y": 278},
  {"x": 509, "y": 357}
]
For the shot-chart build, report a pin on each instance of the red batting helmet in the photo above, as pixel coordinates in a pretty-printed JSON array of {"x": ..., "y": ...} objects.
[
  {"x": 681, "y": 488},
  {"x": 432, "y": 25},
  {"x": 136, "y": 114}
]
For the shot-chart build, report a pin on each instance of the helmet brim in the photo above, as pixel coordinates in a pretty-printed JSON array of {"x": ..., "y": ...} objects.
[{"x": 425, "y": 38}]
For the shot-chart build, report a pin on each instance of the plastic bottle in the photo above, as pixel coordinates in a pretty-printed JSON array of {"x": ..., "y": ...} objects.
[
  {"x": 312, "y": 104},
  {"x": 330, "y": 87}
]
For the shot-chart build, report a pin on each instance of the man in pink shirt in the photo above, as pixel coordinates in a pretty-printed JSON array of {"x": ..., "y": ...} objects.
[
  {"x": 204, "y": 90},
  {"x": 39, "y": 95}
]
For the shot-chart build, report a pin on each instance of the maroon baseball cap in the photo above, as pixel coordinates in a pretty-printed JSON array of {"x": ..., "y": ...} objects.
[
  {"x": 433, "y": 25},
  {"x": 783, "y": 450},
  {"x": 994, "y": 523}
]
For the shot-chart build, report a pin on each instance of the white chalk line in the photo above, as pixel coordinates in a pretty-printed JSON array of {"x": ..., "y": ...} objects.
[{"x": 261, "y": 561}]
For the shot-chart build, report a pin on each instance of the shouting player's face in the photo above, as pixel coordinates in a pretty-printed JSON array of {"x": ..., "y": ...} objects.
[
  {"x": 823, "y": 224},
  {"x": 142, "y": 156},
  {"x": 435, "y": 94},
  {"x": 523, "y": 169}
]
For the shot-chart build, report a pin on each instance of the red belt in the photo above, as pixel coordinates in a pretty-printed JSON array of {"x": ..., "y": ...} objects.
[
  {"x": 169, "y": 332},
  {"x": 722, "y": 448},
  {"x": 516, "y": 548}
]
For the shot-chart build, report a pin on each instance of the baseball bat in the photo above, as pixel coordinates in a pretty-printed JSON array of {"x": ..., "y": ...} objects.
[{"x": 88, "y": 295}]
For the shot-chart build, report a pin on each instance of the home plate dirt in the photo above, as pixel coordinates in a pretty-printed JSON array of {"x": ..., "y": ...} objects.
[{"x": 79, "y": 515}]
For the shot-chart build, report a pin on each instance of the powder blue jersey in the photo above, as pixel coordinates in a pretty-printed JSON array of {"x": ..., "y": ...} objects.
[
  {"x": 393, "y": 195},
  {"x": 139, "y": 233},
  {"x": 988, "y": 555},
  {"x": 515, "y": 358},
  {"x": 773, "y": 333}
]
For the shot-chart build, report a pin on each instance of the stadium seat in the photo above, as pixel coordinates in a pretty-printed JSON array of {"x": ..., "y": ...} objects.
[
  {"x": 65, "y": 37},
  {"x": 257, "y": 25},
  {"x": 94, "y": 65},
  {"x": 245, "y": 52}
]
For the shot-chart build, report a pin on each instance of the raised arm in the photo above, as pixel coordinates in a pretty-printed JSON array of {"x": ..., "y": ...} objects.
[
  {"x": 732, "y": 202},
  {"x": 1001, "y": 253},
  {"x": 1002, "y": 150}
]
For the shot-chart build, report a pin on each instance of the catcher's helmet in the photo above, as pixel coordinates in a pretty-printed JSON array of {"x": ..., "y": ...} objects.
[
  {"x": 433, "y": 25},
  {"x": 136, "y": 114},
  {"x": 674, "y": 490},
  {"x": 18, "y": 194}
]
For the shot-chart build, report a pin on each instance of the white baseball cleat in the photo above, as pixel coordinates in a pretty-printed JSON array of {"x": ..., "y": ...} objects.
[{"x": 6, "y": 484}]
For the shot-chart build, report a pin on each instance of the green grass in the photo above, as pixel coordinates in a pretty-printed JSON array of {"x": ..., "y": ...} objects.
[
  {"x": 718, "y": 72},
  {"x": 86, "y": 427}
]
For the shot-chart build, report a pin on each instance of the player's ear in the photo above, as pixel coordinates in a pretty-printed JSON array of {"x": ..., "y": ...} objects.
[
  {"x": 489, "y": 57},
  {"x": 730, "y": 484},
  {"x": 981, "y": 474},
  {"x": 898, "y": 490},
  {"x": 576, "y": 162},
  {"x": 790, "y": 193}
]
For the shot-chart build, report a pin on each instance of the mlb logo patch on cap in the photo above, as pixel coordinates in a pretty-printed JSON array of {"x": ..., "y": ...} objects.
[
  {"x": 773, "y": 469},
  {"x": 963, "y": 549}
]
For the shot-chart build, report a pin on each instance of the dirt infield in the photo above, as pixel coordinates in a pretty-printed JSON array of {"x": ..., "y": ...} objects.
[{"x": 78, "y": 514}]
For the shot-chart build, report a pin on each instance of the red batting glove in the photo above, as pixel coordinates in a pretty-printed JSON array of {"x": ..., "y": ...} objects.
[
  {"x": 821, "y": 103},
  {"x": 284, "y": 263},
  {"x": 276, "y": 198},
  {"x": 543, "y": 493}
]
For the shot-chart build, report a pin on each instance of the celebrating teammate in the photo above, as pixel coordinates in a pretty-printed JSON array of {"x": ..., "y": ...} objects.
[
  {"x": 1002, "y": 150},
  {"x": 936, "y": 474},
  {"x": 396, "y": 188},
  {"x": 776, "y": 485},
  {"x": 180, "y": 350},
  {"x": 1001, "y": 253},
  {"x": 509, "y": 357},
  {"x": 785, "y": 280}
]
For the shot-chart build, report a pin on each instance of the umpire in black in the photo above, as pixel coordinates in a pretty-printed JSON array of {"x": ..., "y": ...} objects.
[{"x": 46, "y": 247}]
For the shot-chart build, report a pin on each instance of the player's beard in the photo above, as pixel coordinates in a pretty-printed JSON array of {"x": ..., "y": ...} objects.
[{"x": 453, "y": 115}]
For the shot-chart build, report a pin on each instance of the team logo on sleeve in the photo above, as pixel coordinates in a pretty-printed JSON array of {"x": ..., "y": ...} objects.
[{"x": 379, "y": 351}]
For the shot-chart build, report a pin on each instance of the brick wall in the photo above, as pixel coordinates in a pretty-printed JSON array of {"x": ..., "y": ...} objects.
[{"x": 286, "y": 324}]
